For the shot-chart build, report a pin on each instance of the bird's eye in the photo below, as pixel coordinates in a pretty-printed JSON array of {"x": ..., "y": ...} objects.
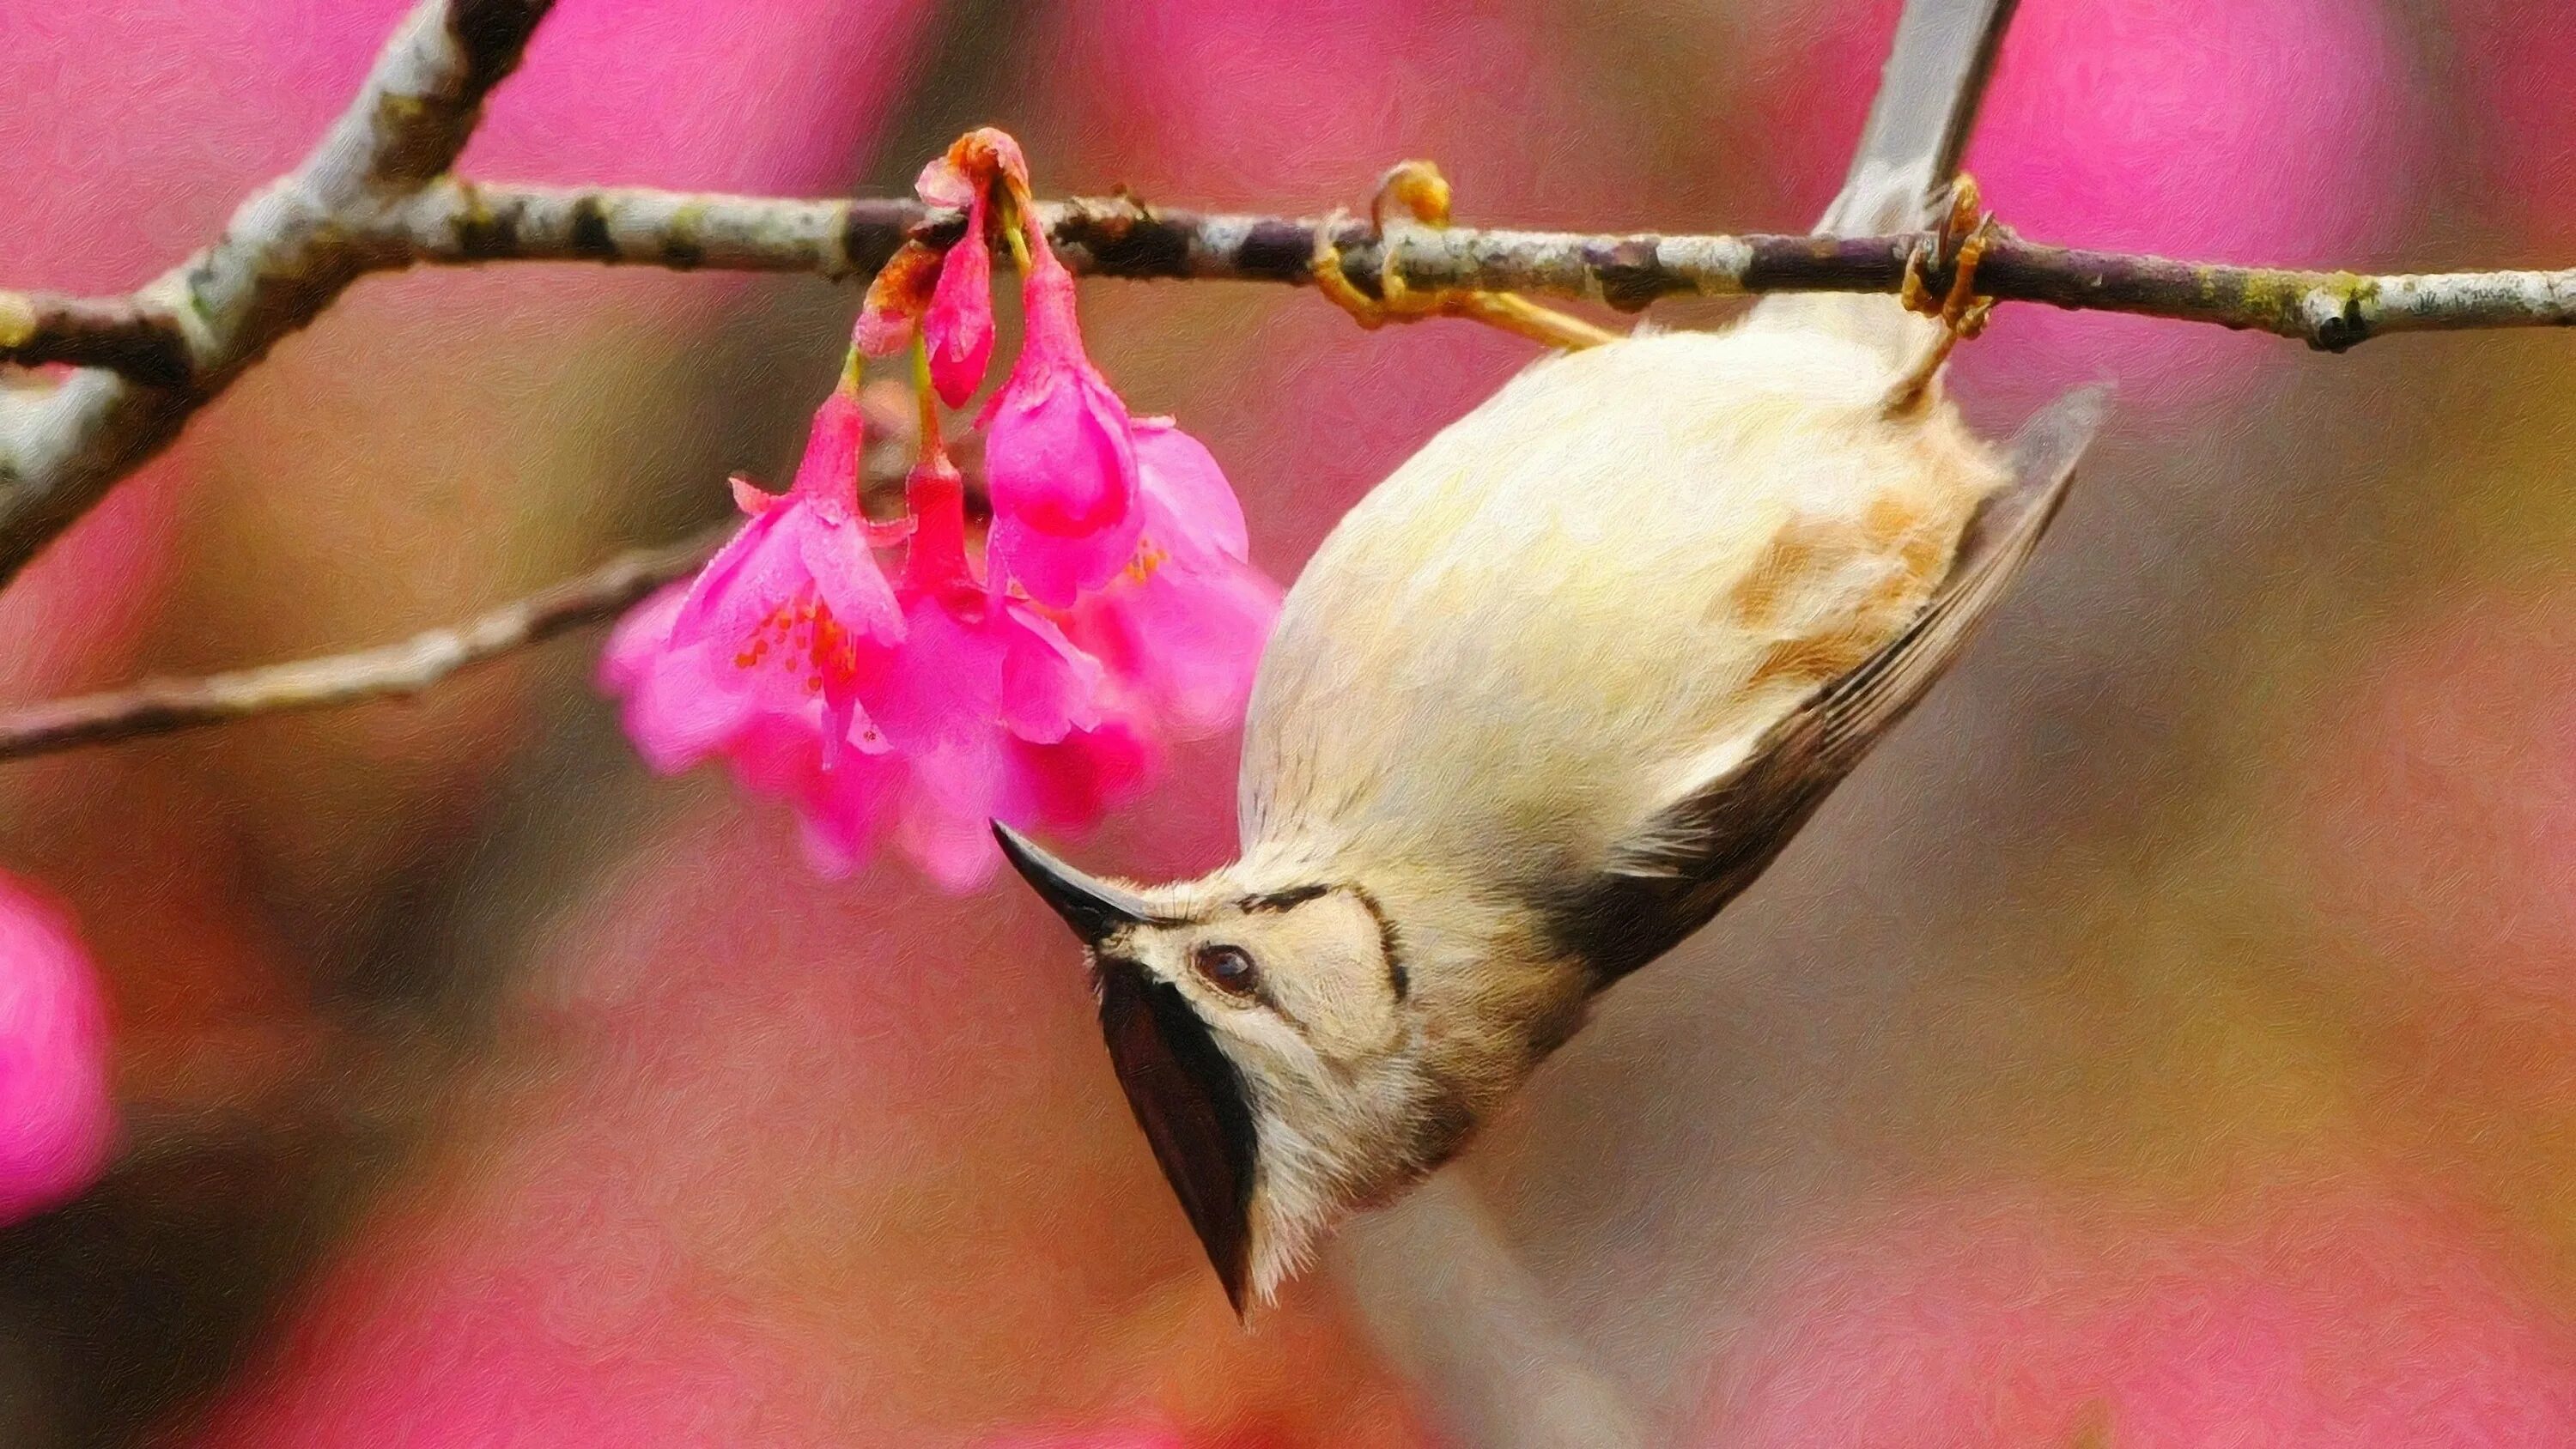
[{"x": 1229, "y": 969}]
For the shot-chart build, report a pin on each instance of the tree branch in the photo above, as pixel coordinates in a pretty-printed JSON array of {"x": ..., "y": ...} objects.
[
  {"x": 459, "y": 222},
  {"x": 283, "y": 258},
  {"x": 117, "y": 333},
  {"x": 160, "y": 706}
]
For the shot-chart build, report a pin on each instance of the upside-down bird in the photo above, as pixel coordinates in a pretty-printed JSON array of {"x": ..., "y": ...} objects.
[{"x": 1556, "y": 691}]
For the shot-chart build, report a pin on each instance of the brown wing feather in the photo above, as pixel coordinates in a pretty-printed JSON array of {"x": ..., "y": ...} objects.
[{"x": 1695, "y": 855}]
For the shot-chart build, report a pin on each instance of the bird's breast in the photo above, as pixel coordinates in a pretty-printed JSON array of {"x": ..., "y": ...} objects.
[{"x": 1626, "y": 560}]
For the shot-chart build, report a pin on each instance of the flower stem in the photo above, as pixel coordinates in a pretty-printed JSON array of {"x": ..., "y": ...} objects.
[
  {"x": 932, "y": 446},
  {"x": 1016, "y": 220}
]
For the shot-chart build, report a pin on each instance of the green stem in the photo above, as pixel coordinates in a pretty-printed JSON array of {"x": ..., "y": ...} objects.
[
  {"x": 932, "y": 446},
  {"x": 1015, "y": 221}
]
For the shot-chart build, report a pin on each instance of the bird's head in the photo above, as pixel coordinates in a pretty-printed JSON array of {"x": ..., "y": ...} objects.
[{"x": 1298, "y": 1043}]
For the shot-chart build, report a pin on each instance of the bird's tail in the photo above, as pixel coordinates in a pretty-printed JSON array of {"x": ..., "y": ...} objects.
[
  {"x": 1919, "y": 122},
  {"x": 1909, "y": 151}
]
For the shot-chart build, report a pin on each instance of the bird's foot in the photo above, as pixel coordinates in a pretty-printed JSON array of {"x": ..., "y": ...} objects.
[
  {"x": 1956, "y": 247},
  {"x": 1423, "y": 193}
]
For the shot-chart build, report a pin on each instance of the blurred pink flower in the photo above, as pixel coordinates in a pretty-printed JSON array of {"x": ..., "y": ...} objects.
[
  {"x": 587, "y": 1331},
  {"x": 2511, "y": 58},
  {"x": 1058, "y": 453},
  {"x": 55, "y": 1119},
  {"x": 2002, "y": 1321}
]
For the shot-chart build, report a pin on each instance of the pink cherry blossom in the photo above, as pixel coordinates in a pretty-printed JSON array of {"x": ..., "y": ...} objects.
[
  {"x": 757, "y": 656},
  {"x": 796, "y": 595},
  {"x": 55, "y": 1119},
  {"x": 977, "y": 656},
  {"x": 1182, "y": 628},
  {"x": 958, "y": 328},
  {"x": 1031, "y": 674},
  {"x": 981, "y": 677},
  {"x": 948, "y": 298},
  {"x": 1058, "y": 453}
]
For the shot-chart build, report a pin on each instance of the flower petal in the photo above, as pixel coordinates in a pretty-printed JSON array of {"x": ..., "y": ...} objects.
[
  {"x": 1071, "y": 784},
  {"x": 958, "y": 328},
  {"x": 943, "y": 686},
  {"x": 750, "y": 497},
  {"x": 1062, "y": 473},
  {"x": 943, "y": 183},
  {"x": 754, "y": 575},
  {"x": 1056, "y": 570},
  {"x": 1191, "y": 512},
  {"x": 687, "y": 705},
  {"x": 841, "y": 811},
  {"x": 640, "y": 637},
  {"x": 1048, "y": 685},
  {"x": 957, "y": 791},
  {"x": 828, "y": 475},
  {"x": 848, "y": 580},
  {"x": 1182, "y": 643}
]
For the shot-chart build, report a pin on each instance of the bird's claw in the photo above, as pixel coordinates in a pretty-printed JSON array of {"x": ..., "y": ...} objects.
[
  {"x": 1423, "y": 194},
  {"x": 1956, "y": 248}
]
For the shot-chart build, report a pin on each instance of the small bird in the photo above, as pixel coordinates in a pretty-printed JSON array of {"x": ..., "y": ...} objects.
[{"x": 1551, "y": 695}]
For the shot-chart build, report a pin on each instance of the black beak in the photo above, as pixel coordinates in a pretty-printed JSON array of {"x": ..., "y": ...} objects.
[
  {"x": 1189, "y": 1098},
  {"x": 1184, "y": 1090},
  {"x": 1094, "y": 908}
]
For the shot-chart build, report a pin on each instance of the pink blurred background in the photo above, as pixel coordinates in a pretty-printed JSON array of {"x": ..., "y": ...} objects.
[{"x": 2170, "y": 1039}]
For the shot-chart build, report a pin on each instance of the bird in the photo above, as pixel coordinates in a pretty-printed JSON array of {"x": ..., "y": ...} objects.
[{"x": 1552, "y": 694}]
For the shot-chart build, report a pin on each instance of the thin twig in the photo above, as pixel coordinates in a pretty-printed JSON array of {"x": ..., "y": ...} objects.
[
  {"x": 160, "y": 706},
  {"x": 459, "y": 222}
]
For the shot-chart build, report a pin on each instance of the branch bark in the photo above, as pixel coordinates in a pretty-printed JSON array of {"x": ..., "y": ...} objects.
[{"x": 461, "y": 222}]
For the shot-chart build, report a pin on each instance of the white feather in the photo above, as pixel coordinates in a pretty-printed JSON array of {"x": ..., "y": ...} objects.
[{"x": 1587, "y": 594}]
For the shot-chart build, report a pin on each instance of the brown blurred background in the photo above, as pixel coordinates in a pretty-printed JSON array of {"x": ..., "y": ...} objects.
[{"x": 2171, "y": 1034}]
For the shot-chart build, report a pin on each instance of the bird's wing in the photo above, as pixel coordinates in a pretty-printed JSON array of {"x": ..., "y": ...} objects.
[{"x": 1669, "y": 875}]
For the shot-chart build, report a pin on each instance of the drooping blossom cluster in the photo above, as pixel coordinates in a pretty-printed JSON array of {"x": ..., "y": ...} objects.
[{"x": 920, "y": 677}]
